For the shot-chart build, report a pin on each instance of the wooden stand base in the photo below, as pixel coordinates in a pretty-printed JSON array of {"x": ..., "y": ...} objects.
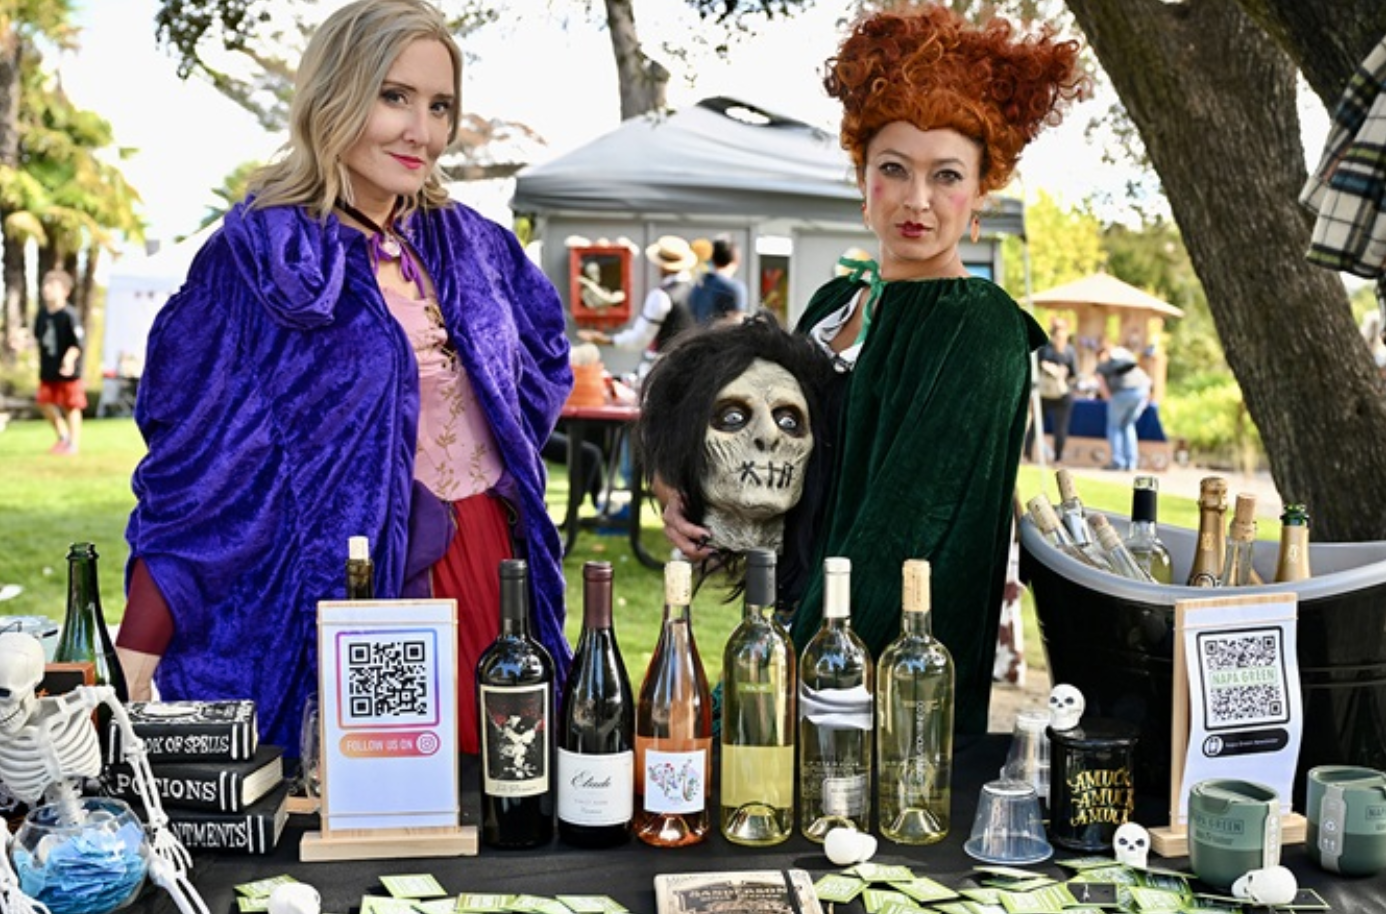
[
  {"x": 1173, "y": 841},
  {"x": 388, "y": 844}
]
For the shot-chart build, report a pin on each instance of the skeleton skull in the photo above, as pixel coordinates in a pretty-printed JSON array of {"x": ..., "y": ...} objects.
[
  {"x": 1066, "y": 706},
  {"x": 1273, "y": 885},
  {"x": 1132, "y": 845},
  {"x": 757, "y": 448},
  {"x": 21, "y": 670}
]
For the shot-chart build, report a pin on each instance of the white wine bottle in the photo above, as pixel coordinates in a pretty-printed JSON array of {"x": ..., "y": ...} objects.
[
  {"x": 914, "y": 722},
  {"x": 673, "y": 727},
  {"x": 1120, "y": 558},
  {"x": 1241, "y": 540},
  {"x": 1143, "y": 537},
  {"x": 757, "y": 786},
  {"x": 836, "y": 692}
]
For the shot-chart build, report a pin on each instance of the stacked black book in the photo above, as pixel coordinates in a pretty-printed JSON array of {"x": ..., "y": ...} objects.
[{"x": 221, "y": 789}]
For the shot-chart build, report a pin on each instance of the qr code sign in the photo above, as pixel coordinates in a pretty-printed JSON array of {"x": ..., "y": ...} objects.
[
  {"x": 1244, "y": 678},
  {"x": 387, "y": 679}
]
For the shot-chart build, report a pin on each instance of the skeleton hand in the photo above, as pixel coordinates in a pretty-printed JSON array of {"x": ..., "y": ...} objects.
[
  {"x": 172, "y": 878},
  {"x": 166, "y": 847}
]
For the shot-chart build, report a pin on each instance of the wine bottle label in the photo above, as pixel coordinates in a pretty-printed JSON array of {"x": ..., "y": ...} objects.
[
  {"x": 675, "y": 782},
  {"x": 757, "y": 774},
  {"x": 845, "y": 796},
  {"x": 515, "y": 728},
  {"x": 596, "y": 789}
]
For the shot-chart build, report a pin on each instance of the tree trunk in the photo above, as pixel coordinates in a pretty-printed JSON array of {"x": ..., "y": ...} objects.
[
  {"x": 642, "y": 80},
  {"x": 1214, "y": 100},
  {"x": 12, "y": 313},
  {"x": 1325, "y": 40}
]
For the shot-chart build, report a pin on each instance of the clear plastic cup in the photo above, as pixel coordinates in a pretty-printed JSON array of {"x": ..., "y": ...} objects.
[
  {"x": 1009, "y": 829},
  {"x": 1028, "y": 759}
]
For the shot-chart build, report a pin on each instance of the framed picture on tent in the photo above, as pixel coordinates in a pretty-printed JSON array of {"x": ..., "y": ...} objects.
[{"x": 599, "y": 285}]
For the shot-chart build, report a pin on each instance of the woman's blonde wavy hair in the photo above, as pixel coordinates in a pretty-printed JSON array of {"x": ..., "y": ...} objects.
[
  {"x": 929, "y": 67},
  {"x": 338, "y": 82}
]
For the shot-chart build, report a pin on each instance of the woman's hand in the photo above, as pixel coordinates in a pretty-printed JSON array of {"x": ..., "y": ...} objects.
[
  {"x": 594, "y": 336},
  {"x": 684, "y": 535}
]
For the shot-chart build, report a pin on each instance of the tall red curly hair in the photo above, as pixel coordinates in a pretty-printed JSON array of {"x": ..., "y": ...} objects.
[{"x": 929, "y": 67}]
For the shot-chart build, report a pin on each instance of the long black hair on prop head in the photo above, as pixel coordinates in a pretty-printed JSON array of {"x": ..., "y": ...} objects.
[{"x": 677, "y": 400}]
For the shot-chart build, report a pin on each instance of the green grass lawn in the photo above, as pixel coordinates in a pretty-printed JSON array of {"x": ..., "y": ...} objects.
[{"x": 48, "y": 502}]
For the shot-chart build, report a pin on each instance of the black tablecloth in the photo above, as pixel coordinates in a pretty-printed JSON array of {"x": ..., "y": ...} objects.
[{"x": 627, "y": 873}]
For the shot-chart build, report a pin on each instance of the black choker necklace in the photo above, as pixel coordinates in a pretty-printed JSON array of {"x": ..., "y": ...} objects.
[{"x": 385, "y": 245}]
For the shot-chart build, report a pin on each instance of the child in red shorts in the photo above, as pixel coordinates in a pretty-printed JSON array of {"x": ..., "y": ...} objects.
[{"x": 61, "y": 394}]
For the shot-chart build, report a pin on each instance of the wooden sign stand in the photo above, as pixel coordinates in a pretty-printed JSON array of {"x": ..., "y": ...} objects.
[
  {"x": 1173, "y": 840},
  {"x": 389, "y": 767}
]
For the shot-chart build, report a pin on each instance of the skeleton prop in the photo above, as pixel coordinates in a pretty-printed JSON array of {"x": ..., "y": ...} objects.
[
  {"x": 1274, "y": 885},
  {"x": 1066, "y": 706},
  {"x": 728, "y": 420},
  {"x": 48, "y": 745},
  {"x": 1132, "y": 845}
]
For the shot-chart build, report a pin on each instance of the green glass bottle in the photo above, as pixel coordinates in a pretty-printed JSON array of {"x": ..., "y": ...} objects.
[{"x": 84, "y": 636}]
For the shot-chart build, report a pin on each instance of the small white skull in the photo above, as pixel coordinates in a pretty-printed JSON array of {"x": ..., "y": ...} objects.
[
  {"x": 295, "y": 898},
  {"x": 1132, "y": 845},
  {"x": 21, "y": 670},
  {"x": 757, "y": 449},
  {"x": 1273, "y": 885},
  {"x": 847, "y": 846},
  {"x": 1066, "y": 706}
]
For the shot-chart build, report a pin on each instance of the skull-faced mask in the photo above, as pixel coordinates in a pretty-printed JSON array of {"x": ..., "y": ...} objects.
[
  {"x": 1066, "y": 706},
  {"x": 1274, "y": 885},
  {"x": 757, "y": 449},
  {"x": 21, "y": 670},
  {"x": 1131, "y": 843}
]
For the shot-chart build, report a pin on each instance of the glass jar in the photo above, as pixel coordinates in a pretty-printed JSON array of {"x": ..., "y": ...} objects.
[{"x": 93, "y": 867}]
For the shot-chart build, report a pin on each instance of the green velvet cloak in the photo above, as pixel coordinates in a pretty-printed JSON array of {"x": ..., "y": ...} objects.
[{"x": 926, "y": 458}]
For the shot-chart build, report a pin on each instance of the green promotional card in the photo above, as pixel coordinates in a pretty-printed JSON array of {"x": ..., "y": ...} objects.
[
  {"x": 247, "y": 905},
  {"x": 436, "y": 906},
  {"x": 263, "y": 888},
  {"x": 877, "y": 872},
  {"x": 838, "y": 889},
  {"x": 924, "y": 889},
  {"x": 592, "y": 904},
  {"x": 874, "y": 900},
  {"x": 473, "y": 903},
  {"x": 383, "y": 904},
  {"x": 413, "y": 885},
  {"x": 1156, "y": 899}
]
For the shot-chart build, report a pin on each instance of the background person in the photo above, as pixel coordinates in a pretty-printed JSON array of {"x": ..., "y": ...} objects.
[
  {"x": 61, "y": 394},
  {"x": 718, "y": 295},
  {"x": 934, "y": 362},
  {"x": 352, "y": 354},
  {"x": 1126, "y": 388},
  {"x": 1058, "y": 376}
]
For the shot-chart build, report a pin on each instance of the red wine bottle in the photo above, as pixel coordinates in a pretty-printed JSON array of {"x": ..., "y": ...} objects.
[
  {"x": 596, "y": 729},
  {"x": 514, "y": 693}
]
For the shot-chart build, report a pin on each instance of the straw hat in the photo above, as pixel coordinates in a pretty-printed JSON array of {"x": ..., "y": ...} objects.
[{"x": 672, "y": 253}]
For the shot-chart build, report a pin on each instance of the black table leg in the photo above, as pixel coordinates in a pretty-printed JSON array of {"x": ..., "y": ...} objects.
[
  {"x": 637, "y": 501},
  {"x": 577, "y": 433}
]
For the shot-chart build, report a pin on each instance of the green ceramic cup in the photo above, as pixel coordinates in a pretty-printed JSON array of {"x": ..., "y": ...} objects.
[
  {"x": 1347, "y": 819},
  {"x": 1234, "y": 827}
]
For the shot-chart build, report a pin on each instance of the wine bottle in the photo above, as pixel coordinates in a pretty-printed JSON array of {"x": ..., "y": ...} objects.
[
  {"x": 514, "y": 696},
  {"x": 1122, "y": 562},
  {"x": 914, "y": 722},
  {"x": 1046, "y": 520},
  {"x": 1208, "y": 554},
  {"x": 596, "y": 728},
  {"x": 757, "y": 785},
  {"x": 85, "y": 637},
  {"x": 360, "y": 570},
  {"x": 673, "y": 727},
  {"x": 1143, "y": 537},
  {"x": 1071, "y": 510},
  {"x": 836, "y": 690},
  {"x": 1293, "y": 563},
  {"x": 1241, "y": 538}
]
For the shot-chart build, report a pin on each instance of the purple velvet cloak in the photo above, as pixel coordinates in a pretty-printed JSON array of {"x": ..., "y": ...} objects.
[{"x": 279, "y": 404}]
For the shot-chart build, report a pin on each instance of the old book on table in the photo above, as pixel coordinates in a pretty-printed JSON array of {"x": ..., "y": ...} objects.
[
  {"x": 761, "y": 891},
  {"x": 192, "y": 730},
  {"x": 219, "y": 786},
  {"x": 254, "y": 830}
]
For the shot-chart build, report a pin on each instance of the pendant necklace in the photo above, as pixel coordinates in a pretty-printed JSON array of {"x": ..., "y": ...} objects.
[{"x": 386, "y": 245}]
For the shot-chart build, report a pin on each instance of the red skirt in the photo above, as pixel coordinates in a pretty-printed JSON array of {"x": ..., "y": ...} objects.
[{"x": 469, "y": 572}]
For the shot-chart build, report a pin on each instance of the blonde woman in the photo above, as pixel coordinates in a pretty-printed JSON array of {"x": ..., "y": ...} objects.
[{"x": 352, "y": 355}]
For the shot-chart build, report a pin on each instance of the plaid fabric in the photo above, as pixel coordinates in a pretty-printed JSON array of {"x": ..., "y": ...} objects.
[{"x": 1347, "y": 191}]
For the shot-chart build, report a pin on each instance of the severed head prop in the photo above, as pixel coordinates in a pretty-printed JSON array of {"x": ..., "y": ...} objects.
[{"x": 730, "y": 416}]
